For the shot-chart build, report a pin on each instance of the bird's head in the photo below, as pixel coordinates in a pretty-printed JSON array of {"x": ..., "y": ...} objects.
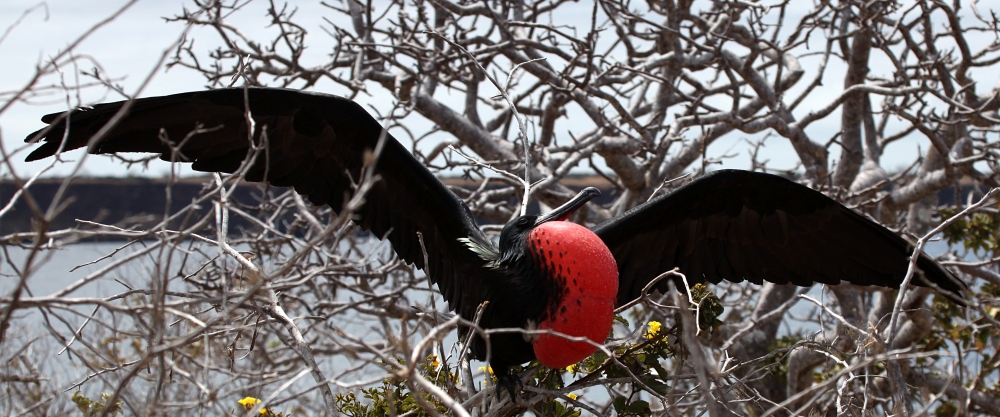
[{"x": 514, "y": 236}]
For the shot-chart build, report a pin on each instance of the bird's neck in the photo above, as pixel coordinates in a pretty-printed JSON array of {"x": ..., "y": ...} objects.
[
  {"x": 525, "y": 280},
  {"x": 530, "y": 284}
]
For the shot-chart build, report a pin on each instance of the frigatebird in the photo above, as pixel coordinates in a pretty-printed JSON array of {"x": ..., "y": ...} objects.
[{"x": 545, "y": 273}]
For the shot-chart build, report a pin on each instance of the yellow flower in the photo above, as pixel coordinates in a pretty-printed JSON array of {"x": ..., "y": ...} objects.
[
  {"x": 571, "y": 396},
  {"x": 263, "y": 411},
  {"x": 487, "y": 369},
  {"x": 249, "y": 402},
  {"x": 654, "y": 328},
  {"x": 571, "y": 368}
]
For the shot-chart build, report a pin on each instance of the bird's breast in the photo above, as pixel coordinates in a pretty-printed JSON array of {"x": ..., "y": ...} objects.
[{"x": 584, "y": 275}]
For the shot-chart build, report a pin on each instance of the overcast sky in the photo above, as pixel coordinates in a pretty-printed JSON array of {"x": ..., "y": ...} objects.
[
  {"x": 125, "y": 48},
  {"x": 129, "y": 47}
]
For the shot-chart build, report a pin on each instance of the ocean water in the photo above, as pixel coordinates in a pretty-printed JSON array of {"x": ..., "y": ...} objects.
[{"x": 41, "y": 335}]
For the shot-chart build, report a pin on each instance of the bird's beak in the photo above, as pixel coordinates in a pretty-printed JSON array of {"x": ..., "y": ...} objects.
[{"x": 564, "y": 211}]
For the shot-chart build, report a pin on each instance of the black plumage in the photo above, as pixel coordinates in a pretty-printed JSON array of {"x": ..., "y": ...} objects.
[
  {"x": 740, "y": 225},
  {"x": 732, "y": 225}
]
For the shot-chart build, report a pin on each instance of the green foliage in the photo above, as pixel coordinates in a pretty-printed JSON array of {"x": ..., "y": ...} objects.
[
  {"x": 779, "y": 363},
  {"x": 624, "y": 407},
  {"x": 393, "y": 397},
  {"x": 650, "y": 355},
  {"x": 960, "y": 333},
  {"x": 390, "y": 398},
  {"x": 591, "y": 364},
  {"x": 91, "y": 408},
  {"x": 648, "y": 360},
  {"x": 545, "y": 377},
  {"x": 551, "y": 379},
  {"x": 558, "y": 409},
  {"x": 979, "y": 232},
  {"x": 710, "y": 308},
  {"x": 946, "y": 409},
  {"x": 644, "y": 360}
]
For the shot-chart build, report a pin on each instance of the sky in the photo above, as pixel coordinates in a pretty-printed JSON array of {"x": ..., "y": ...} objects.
[
  {"x": 129, "y": 47},
  {"x": 124, "y": 48}
]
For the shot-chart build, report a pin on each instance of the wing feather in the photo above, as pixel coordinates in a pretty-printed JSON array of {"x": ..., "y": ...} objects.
[
  {"x": 315, "y": 143},
  {"x": 740, "y": 225}
]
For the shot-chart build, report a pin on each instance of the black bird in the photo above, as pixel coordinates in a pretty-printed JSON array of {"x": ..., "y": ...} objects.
[{"x": 545, "y": 273}]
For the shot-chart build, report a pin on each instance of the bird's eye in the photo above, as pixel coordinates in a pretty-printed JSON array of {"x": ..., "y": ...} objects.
[{"x": 523, "y": 221}]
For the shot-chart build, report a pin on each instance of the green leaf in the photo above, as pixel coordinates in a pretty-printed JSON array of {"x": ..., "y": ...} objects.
[
  {"x": 639, "y": 408},
  {"x": 655, "y": 384},
  {"x": 620, "y": 403}
]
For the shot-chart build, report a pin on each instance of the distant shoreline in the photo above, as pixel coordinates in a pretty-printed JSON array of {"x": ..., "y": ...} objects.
[{"x": 137, "y": 201}]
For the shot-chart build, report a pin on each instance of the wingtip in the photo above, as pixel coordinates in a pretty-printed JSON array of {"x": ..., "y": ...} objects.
[
  {"x": 942, "y": 280},
  {"x": 44, "y": 151},
  {"x": 956, "y": 296}
]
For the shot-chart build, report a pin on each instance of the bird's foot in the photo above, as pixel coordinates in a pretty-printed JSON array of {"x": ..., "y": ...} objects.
[{"x": 511, "y": 383}]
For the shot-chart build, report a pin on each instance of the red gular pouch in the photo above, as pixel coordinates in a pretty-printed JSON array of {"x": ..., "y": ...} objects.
[{"x": 580, "y": 261}]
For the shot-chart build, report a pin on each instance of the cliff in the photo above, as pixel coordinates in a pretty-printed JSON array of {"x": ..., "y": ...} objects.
[
  {"x": 138, "y": 203},
  {"x": 141, "y": 202},
  {"x": 123, "y": 202}
]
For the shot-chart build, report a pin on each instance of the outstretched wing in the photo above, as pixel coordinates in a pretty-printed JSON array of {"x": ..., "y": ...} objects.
[
  {"x": 741, "y": 225},
  {"x": 317, "y": 144}
]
